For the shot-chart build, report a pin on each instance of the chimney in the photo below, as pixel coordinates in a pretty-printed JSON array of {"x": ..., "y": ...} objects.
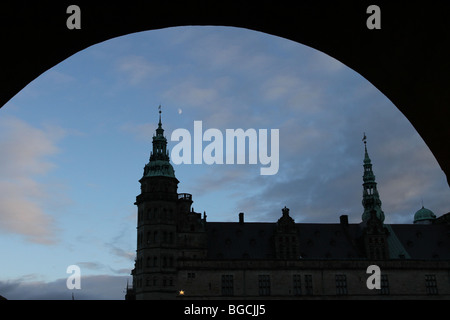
[
  {"x": 241, "y": 217},
  {"x": 344, "y": 220}
]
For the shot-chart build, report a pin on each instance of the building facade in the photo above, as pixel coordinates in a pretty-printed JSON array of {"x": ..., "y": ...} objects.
[{"x": 180, "y": 255}]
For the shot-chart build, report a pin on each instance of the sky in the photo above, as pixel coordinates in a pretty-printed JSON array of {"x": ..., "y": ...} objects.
[{"x": 74, "y": 143}]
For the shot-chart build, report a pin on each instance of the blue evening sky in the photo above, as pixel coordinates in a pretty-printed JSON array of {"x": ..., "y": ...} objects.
[{"x": 74, "y": 143}]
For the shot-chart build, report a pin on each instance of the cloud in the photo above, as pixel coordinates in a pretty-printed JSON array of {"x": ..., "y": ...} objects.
[
  {"x": 90, "y": 265},
  {"x": 120, "y": 252},
  {"x": 194, "y": 93},
  {"x": 219, "y": 177},
  {"x": 137, "y": 69},
  {"x": 24, "y": 149},
  {"x": 232, "y": 50},
  {"x": 139, "y": 131},
  {"x": 321, "y": 62},
  {"x": 296, "y": 93},
  {"x": 96, "y": 287},
  {"x": 25, "y": 152},
  {"x": 57, "y": 77},
  {"x": 101, "y": 267}
]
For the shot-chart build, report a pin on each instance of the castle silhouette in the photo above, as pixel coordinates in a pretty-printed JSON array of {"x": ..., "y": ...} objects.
[{"x": 180, "y": 255}]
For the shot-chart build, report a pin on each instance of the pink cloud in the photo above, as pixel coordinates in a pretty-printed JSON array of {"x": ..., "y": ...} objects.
[{"x": 25, "y": 150}]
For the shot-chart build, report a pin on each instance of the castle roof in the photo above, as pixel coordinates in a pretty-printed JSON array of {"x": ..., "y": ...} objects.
[{"x": 254, "y": 240}]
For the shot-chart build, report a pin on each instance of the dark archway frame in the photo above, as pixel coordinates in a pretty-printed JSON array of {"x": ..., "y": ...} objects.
[{"x": 407, "y": 59}]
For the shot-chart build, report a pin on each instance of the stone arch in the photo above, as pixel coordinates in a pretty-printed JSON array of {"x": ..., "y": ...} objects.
[{"x": 406, "y": 59}]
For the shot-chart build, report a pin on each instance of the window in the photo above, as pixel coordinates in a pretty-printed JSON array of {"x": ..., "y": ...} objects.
[
  {"x": 191, "y": 275},
  {"x": 264, "y": 285},
  {"x": 384, "y": 284},
  {"x": 297, "y": 284},
  {"x": 227, "y": 285},
  {"x": 308, "y": 284},
  {"x": 431, "y": 284},
  {"x": 341, "y": 284}
]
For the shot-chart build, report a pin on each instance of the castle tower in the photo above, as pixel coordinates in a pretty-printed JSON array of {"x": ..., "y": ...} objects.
[
  {"x": 154, "y": 276},
  {"x": 167, "y": 228}
]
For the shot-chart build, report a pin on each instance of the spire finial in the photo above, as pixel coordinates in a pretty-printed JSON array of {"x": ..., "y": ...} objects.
[
  {"x": 159, "y": 124},
  {"x": 366, "y": 154}
]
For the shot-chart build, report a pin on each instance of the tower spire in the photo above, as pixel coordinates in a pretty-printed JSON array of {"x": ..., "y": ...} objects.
[
  {"x": 159, "y": 143},
  {"x": 159, "y": 164},
  {"x": 159, "y": 130},
  {"x": 366, "y": 154},
  {"x": 371, "y": 198}
]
